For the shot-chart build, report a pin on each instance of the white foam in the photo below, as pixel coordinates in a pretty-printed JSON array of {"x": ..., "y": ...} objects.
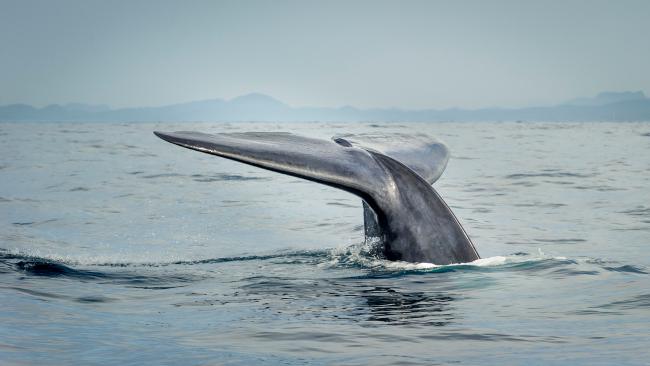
[
  {"x": 358, "y": 254},
  {"x": 490, "y": 261},
  {"x": 482, "y": 262}
]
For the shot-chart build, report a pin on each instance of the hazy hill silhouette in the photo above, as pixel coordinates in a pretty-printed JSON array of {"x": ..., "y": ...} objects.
[{"x": 607, "y": 106}]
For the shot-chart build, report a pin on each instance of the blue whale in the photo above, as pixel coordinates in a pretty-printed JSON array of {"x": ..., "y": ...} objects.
[{"x": 393, "y": 175}]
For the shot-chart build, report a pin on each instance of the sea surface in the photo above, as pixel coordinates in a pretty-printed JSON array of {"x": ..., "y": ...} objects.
[{"x": 119, "y": 248}]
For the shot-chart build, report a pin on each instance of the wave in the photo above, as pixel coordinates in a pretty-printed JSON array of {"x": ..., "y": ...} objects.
[
  {"x": 362, "y": 257},
  {"x": 47, "y": 267},
  {"x": 113, "y": 261}
]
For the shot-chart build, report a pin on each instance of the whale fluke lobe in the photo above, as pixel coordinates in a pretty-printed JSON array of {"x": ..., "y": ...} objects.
[{"x": 391, "y": 174}]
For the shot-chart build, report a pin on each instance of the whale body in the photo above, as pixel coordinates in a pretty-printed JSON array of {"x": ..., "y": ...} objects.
[{"x": 393, "y": 175}]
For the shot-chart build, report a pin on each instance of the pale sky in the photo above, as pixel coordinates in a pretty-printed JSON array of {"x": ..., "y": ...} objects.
[{"x": 411, "y": 54}]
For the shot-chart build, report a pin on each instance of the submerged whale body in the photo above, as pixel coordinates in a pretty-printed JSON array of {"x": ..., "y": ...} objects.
[{"x": 392, "y": 175}]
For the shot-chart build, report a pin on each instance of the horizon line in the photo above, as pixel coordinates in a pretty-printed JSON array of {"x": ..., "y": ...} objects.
[{"x": 109, "y": 107}]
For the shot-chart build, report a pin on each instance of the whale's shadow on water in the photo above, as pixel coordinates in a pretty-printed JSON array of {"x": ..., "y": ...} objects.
[
  {"x": 391, "y": 306},
  {"x": 370, "y": 302}
]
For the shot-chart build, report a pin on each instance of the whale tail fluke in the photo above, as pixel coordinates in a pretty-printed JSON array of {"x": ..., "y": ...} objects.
[{"x": 392, "y": 175}]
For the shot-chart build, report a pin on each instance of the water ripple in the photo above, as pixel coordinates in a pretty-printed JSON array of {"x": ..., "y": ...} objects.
[{"x": 550, "y": 174}]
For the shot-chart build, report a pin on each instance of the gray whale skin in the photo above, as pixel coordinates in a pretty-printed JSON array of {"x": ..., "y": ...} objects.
[{"x": 392, "y": 174}]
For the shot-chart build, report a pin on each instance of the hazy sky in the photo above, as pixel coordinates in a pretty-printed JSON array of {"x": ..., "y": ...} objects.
[{"x": 327, "y": 53}]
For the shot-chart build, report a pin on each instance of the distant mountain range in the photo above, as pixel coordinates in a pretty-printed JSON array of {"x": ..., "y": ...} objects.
[{"x": 607, "y": 106}]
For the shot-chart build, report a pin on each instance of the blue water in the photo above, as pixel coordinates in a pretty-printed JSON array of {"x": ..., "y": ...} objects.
[{"x": 119, "y": 248}]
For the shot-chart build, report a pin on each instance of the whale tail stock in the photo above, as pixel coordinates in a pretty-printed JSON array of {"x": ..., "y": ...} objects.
[{"x": 391, "y": 174}]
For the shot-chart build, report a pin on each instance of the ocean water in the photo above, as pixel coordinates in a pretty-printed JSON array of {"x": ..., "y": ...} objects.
[{"x": 119, "y": 248}]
